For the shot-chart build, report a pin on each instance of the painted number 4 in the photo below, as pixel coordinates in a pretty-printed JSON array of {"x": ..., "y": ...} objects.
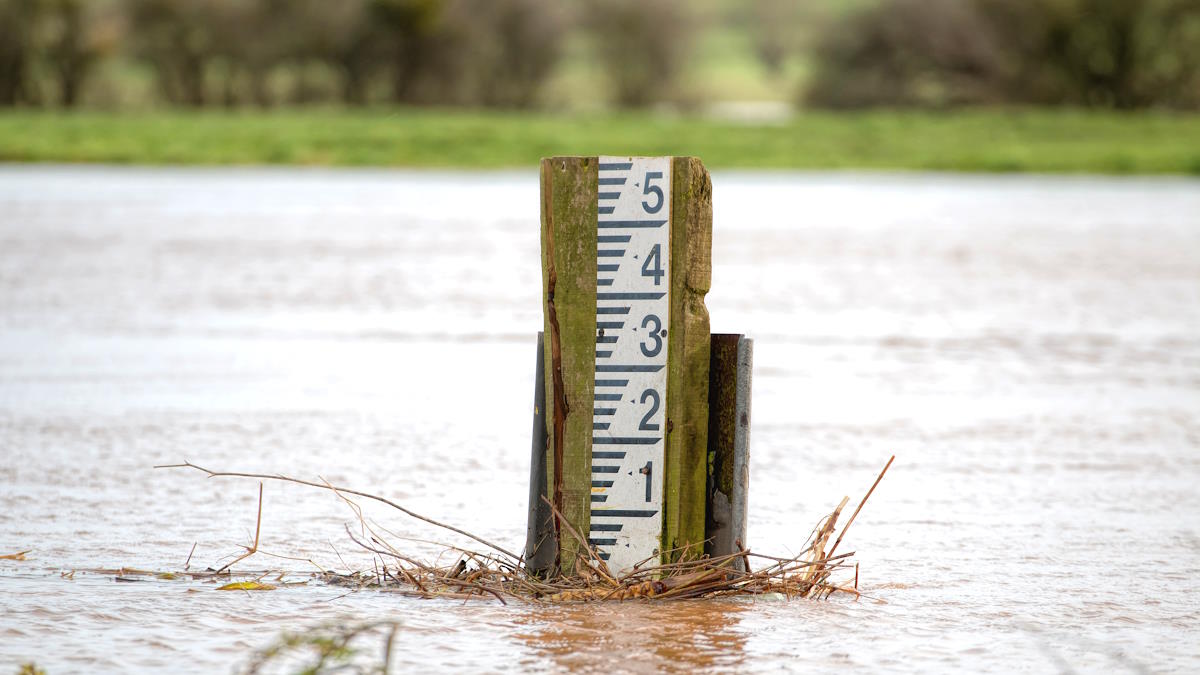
[{"x": 652, "y": 267}]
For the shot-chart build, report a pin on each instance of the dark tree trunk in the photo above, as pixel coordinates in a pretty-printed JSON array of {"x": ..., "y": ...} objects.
[{"x": 354, "y": 85}]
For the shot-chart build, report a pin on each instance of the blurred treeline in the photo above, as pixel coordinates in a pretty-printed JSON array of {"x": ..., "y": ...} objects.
[
  {"x": 932, "y": 53},
  {"x": 503, "y": 53},
  {"x": 265, "y": 52}
]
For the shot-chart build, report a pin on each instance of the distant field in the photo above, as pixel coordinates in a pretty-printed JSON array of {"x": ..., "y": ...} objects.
[{"x": 983, "y": 140}]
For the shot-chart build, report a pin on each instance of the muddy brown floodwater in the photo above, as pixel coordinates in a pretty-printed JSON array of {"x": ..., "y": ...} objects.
[{"x": 1028, "y": 347}]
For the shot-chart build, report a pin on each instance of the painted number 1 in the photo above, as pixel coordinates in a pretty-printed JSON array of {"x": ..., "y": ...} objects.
[{"x": 646, "y": 471}]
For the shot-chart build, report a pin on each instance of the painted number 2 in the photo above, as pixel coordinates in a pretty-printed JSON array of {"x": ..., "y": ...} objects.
[{"x": 655, "y": 401}]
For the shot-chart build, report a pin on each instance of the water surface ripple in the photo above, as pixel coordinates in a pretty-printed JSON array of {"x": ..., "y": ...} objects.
[{"x": 1029, "y": 348}]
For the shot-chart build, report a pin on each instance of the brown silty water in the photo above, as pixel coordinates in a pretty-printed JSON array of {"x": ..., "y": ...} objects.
[{"x": 1028, "y": 347}]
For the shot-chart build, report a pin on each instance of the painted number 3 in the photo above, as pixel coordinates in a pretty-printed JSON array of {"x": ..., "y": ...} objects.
[{"x": 652, "y": 334}]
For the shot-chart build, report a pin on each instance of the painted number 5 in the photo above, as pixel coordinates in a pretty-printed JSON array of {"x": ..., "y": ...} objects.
[{"x": 648, "y": 189}]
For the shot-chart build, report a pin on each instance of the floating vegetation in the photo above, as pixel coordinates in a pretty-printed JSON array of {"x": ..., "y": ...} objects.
[
  {"x": 246, "y": 586},
  {"x": 500, "y": 575}
]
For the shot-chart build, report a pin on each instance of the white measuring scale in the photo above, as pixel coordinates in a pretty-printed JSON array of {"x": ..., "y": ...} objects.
[{"x": 632, "y": 315}]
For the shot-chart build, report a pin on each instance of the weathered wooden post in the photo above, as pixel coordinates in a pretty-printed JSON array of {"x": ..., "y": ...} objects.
[{"x": 626, "y": 263}]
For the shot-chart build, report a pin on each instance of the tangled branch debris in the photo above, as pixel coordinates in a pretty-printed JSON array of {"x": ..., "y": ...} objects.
[{"x": 501, "y": 575}]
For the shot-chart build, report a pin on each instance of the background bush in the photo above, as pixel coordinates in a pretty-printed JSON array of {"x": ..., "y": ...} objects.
[
  {"x": 643, "y": 45},
  {"x": 933, "y": 53}
]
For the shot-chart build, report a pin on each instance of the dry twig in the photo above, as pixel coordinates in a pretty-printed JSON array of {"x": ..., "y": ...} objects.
[
  {"x": 250, "y": 550},
  {"x": 327, "y": 486}
]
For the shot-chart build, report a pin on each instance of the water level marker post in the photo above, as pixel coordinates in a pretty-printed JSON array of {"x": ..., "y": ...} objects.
[{"x": 626, "y": 263}]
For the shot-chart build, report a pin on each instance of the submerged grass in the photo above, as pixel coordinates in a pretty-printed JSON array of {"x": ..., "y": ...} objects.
[{"x": 983, "y": 140}]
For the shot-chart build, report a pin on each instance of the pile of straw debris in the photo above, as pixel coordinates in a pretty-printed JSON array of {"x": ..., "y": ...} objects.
[{"x": 501, "y": 575}]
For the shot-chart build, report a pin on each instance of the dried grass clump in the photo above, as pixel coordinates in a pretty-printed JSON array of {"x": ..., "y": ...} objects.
[{"x": 502, "y": 575}]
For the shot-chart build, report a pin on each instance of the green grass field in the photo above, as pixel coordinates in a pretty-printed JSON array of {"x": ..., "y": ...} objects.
[{"x": 980, "y": 140}]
